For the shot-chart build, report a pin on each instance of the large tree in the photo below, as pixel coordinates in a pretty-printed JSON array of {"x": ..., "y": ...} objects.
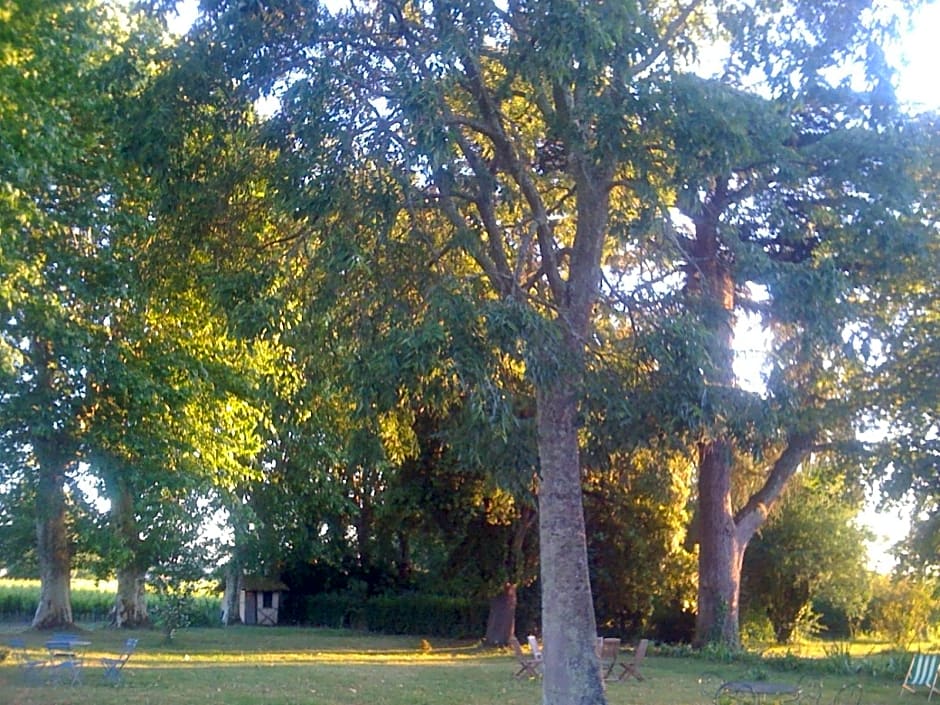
[
  {"x": 118, "y": 363},
  {"x": 803, "y": 231},
  {"x": 503, "y": 132},
  {"x": 54, "y": 217},
  {"x": 905, "y": 413}
]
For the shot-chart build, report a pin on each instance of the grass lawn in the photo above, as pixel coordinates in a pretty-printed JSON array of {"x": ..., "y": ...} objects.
[{"x": 292, "y": 666}]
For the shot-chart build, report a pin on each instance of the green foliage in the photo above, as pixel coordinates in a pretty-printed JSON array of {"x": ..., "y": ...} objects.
[
  {"x": 332, "y": 610},
  {"x": 839, "y": 659},
  {"x": 904, "y": 609},
  {"x": 176, "y": 607},
  {"x": 427, "y": 614},
  {"x": 432, "y": 615},
  {"x": 756, "y": 628},
  {"x": 809, "y": 548},
  {"x": 360, "y": 301},
  {"x": 636, "y": 519},
  {"x": 719, "y": 652}
]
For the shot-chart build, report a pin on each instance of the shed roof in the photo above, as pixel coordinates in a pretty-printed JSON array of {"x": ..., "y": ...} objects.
[{"x": 260, "y": 583}]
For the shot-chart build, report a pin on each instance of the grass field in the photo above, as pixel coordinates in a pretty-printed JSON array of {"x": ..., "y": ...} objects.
[{"x": 295, "y": 666}]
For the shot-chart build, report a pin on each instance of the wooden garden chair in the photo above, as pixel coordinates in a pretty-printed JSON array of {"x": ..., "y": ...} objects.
[
  {"x": 608, "y": 649},
  {"x": 631, "y": 668},
  {"x": 534, "y": 647},
  {"x": 528, "y": 665}
]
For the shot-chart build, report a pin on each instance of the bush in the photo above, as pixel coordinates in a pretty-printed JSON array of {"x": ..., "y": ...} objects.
[
  {"x": 902, "y": 610},
  {"x": 331, "y": 610},
  {"x": 429, "y": 615}
]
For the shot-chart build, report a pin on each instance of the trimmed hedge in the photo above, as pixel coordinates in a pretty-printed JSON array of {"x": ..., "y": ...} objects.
[{"x": 421, "y": 615}]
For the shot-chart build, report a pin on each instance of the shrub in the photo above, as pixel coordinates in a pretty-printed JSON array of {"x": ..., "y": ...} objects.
[
  {"x": 902, "y": 610},
  {"x": 426, "y": 614},
  {"x": 331, "y": 610},
  {"x": 173, "y": 610},
  {"x": 429, "y": 615}
]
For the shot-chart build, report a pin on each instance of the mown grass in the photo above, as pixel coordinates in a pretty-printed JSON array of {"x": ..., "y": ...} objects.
[{"x": 295, "y": 666}]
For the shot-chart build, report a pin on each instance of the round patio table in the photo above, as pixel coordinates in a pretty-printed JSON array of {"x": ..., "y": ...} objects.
[
  {"x": 759, "y": 691},
  {"x": 66, "y": 657}
]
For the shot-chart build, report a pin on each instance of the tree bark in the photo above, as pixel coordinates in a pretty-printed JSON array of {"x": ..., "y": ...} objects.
[
  {"x": 571, "y": 673},
  {"x": 724, "y": 533},
  {"x": 52, "y": 541},
  {"x": 569, "y": 630},
  {"x": 501, "y": 623},
  {"x": 720, "y": 552},
  {"x": 130, "y": 604},
  {"x": 710, "y": 287},
  {"x": 233, "y": 586}
]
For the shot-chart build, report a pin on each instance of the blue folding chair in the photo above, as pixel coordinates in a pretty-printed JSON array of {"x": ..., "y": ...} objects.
[
  {"x": 114, "y": 666},
  {"x": 29, "y": 666}
]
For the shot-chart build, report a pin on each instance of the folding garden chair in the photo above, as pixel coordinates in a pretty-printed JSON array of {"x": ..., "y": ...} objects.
[
  {"x": 114, "y": 666},
  {"x": 608, "y": 649},
  {"x": 922, "y": 672},
  {"x": 632, "y": 667},
  {"x": 29, "y": 666},
  {"x": 528, "y": 665}
]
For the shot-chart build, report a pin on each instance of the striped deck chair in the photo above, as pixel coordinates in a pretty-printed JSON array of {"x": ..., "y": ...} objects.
[{"x": 922, "y": 673}]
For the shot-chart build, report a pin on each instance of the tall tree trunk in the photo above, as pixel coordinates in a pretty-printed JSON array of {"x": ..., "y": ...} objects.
[
  {"x": 364, "y": 522},
  {"x": 724, "y": 537},
  {"x": 501, "y": 623},
  {"x": 130, "y": 604},
  {"x": 240, "y": 520},
  {"x": 571, "y": 673},
  {"x": 233, "y": 587},
  {"x": 710, "y": 286},
  {"x": 724, "y": 533},
  {"x": 720, "y": 553},
  {"x": 52, "y": 541}
]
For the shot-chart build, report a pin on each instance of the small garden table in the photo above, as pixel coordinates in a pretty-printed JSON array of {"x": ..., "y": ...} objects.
[
  {"x": 65, "y": 658},
  {"x": 759, "y": 691}
]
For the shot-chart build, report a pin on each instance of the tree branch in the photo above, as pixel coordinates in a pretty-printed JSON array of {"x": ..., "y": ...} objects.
[
  {"x": 755, "y": 512},
  {"x": 672, "y": 30}
]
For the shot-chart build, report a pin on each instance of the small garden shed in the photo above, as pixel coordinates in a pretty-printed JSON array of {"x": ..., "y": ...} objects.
[{"x": 259, "y": 600}]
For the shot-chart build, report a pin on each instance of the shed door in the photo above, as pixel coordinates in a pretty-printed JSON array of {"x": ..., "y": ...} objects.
[{"x": 251, "y": 607}]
